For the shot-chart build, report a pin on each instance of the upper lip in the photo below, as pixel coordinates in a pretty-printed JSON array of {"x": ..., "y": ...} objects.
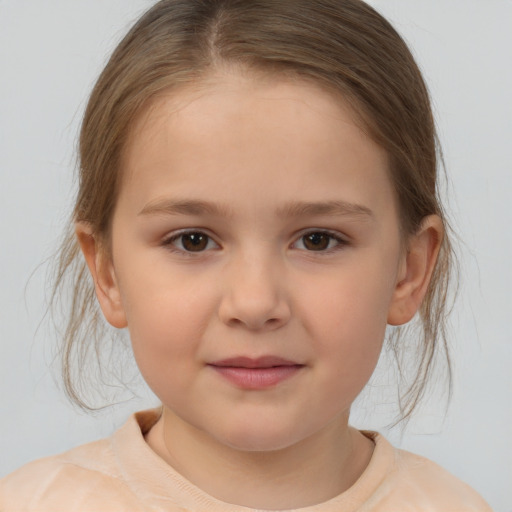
[{"x": 258, "y": 362}]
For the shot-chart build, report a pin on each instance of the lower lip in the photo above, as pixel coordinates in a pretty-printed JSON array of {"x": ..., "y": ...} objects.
[{"x": 257, "y": 378}]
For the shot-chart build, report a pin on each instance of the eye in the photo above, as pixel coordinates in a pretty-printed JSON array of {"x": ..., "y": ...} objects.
[
  {"x": 319, "y": 241},
  {"x": 191, "y": 241}
]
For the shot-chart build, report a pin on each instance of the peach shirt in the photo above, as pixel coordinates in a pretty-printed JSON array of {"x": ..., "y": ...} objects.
[{"x": 122, "y": 473}]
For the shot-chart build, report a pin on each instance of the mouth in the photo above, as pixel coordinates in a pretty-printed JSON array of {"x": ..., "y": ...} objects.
[{"x": 255, "y": 374}]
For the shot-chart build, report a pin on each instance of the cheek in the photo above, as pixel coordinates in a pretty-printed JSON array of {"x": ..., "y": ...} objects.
[
  {"x": 347, "y": 320},
  {"x": 166, "y": 321},
  {"x": 350, "y": 304},
  {"x": 351, "y": 336}
]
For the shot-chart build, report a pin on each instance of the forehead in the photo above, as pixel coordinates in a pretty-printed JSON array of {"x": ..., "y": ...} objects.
[
  {"x": 242, "y": 91},
  {"x": 234, "y": 128}
]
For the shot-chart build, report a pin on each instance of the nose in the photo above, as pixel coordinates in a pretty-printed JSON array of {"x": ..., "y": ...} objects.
[{"x": 254, "y": 294}]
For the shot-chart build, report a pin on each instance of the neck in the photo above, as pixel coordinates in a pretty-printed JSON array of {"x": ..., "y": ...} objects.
[{"x": 307, "y": 473}]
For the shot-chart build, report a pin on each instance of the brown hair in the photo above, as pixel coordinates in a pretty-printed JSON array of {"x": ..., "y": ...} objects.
[{"x": 344, "y": 45}]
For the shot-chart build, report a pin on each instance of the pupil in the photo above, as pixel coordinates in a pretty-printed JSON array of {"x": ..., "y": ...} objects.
[
  {"x": 316, "y": 241},
  {"x": 195, "y": 241}
]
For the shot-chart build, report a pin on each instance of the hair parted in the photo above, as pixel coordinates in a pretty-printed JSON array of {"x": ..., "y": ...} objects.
[{"x": 342, "y": 45}]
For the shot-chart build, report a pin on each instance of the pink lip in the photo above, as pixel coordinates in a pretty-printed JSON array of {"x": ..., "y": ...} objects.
[{"x": 260, "y": 373}]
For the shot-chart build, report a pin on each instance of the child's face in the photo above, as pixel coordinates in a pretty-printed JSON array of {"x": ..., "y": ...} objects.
[{"x": 257, "y": 221}]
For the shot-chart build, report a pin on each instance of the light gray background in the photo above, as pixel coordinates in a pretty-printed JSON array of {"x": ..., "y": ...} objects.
[{"x": 50, "y": 54}]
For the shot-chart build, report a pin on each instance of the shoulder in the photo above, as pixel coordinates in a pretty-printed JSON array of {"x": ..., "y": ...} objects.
[
  {"x": 417, "y": 484},
  {"x": 74, "y": 480}
]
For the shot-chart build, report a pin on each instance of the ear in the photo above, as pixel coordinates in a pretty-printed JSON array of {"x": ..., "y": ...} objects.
[
  {"x": 102, "y": 271},
  {"x": 416, "y": 270}
]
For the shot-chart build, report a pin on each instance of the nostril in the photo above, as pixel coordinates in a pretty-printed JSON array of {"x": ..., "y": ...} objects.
[{"x": 256, "y": 324}]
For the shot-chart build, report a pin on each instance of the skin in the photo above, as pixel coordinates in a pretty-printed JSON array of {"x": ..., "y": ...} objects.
[{"x": 256, "y": 150}]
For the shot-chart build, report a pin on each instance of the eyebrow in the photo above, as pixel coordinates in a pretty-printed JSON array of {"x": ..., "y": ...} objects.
[
  {"x": 185, "y": 207},
  {"x": 293, "y": 209},
  {"x": 328, "y": 208}
]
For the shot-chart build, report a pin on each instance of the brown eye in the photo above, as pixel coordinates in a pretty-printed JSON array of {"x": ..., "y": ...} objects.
[
  {"x": 316, "y": 241},
  {"x": 194, "y": 242},
  {"x": 188, "y": 242},
  {"x": 321, "y": 242}
]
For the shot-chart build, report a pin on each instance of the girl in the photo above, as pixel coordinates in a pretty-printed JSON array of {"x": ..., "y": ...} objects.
[{"x": 257, "y": 203}]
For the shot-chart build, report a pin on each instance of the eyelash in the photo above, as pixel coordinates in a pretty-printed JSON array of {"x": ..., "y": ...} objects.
[
  {"x": 340, "y": 242},
  {"x": 169, "y": 242}
]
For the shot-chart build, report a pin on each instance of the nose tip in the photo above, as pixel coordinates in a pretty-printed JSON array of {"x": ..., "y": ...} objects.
[{"x": 256, "y": 302}]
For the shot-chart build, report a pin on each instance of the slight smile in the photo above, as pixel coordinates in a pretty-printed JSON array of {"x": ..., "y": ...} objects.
[{"x": 254, "y": 374}]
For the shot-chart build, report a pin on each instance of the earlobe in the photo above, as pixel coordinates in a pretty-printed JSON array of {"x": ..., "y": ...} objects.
[
  {"x": 103, "y": 274},
  {"x": 416, "y": 271}
]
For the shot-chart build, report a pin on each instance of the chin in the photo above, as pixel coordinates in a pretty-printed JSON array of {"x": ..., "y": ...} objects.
[{"x": 260, "y": 438}]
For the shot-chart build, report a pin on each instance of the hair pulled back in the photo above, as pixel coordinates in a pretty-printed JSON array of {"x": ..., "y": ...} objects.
[{"x": 342, "y": 45}]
